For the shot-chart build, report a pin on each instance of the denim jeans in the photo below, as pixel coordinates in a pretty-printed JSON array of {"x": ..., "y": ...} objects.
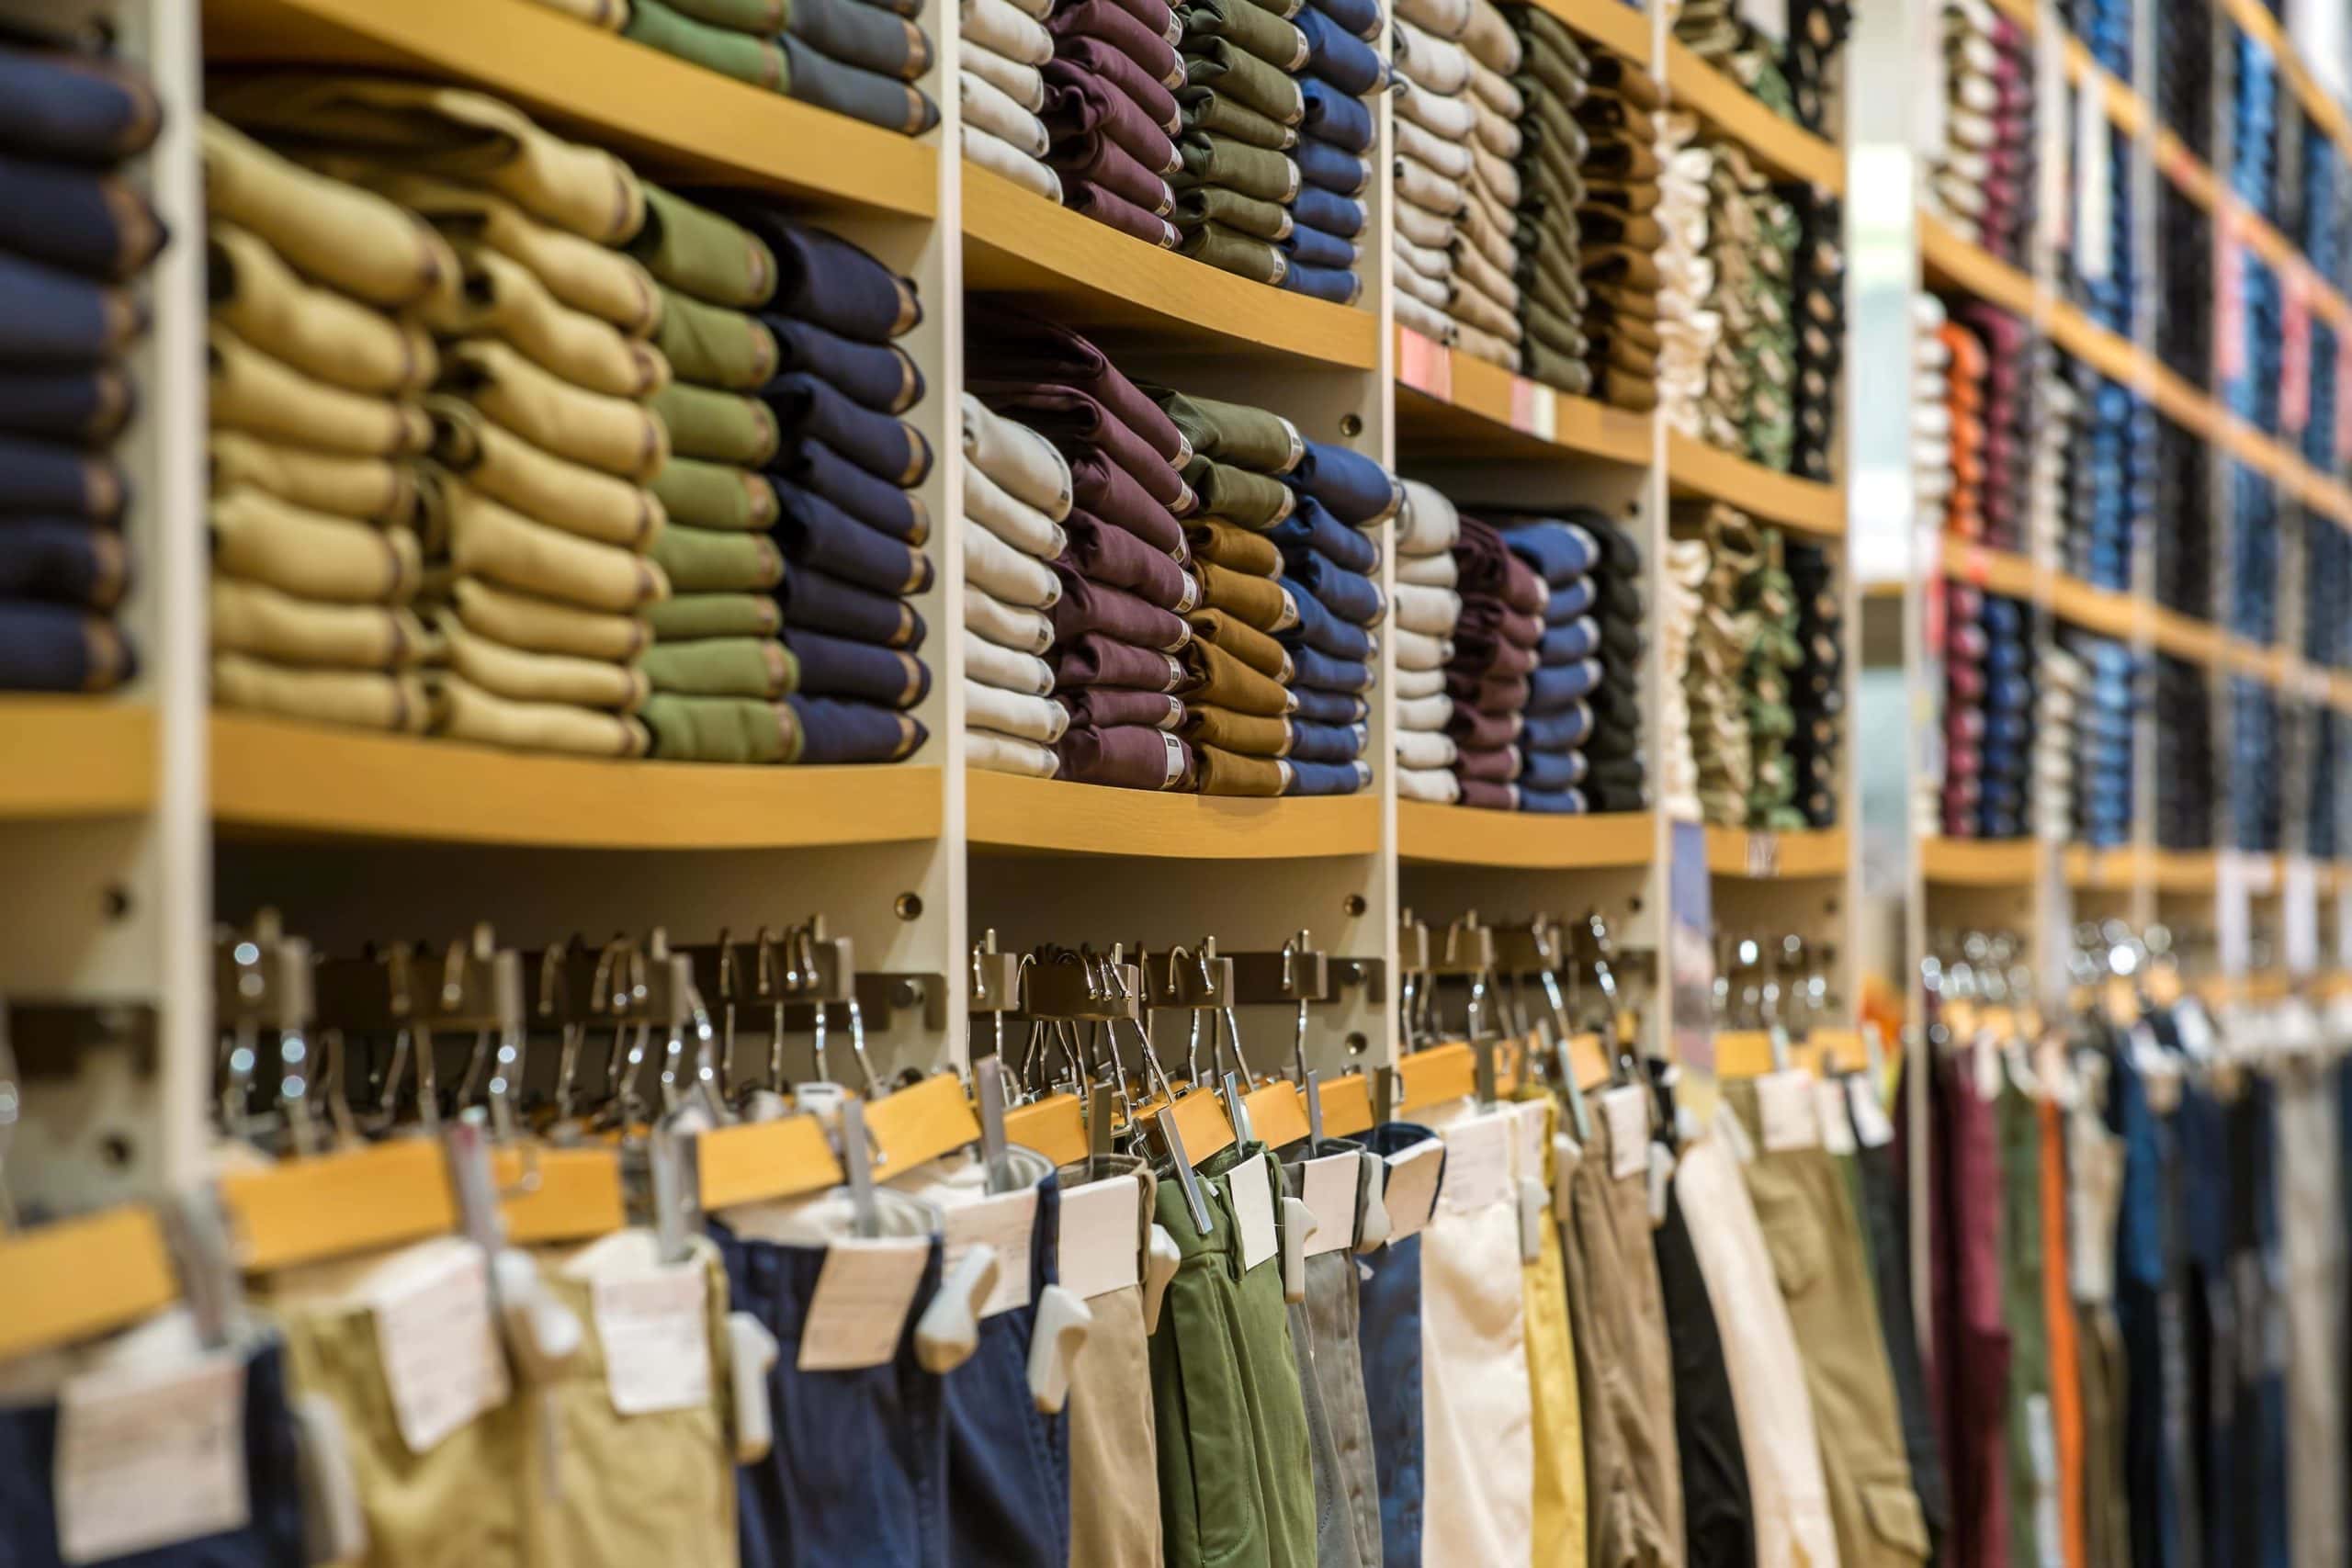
[{"x": 1391, "y": 1347}]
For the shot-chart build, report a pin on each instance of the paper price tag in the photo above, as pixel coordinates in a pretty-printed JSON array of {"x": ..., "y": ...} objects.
[
  {"x": 864, "y": 1293},
  {"x": 1477, "y": 1161},
  {"x": 1626, "y": 1112},
  {"x": 1254, "y": 1211},
  {"x": 1763, "y": 855},
  {"x": 1836, "y": 1122},
  {"x": 1770, "y": 18},
  {"x": 1871, "y": 1127},
  {"x": 2343, "y": 403},
  {"x": 2094, "y": 200},
  {"x": 2301, "y": 895},
  {"x": 1102, "y": 1244},
  {"x": 1007, "y": 1222},
  {"x": 146, "y": 1458},
  {"x": 1533, "y": 410},
  {"x": 442, "y": 1361},
  {"x": 1424, "y": 365},
  {"x": 1785, "y": 1108},
  {"x": 1410, "y": 1191},
  {"x": 656, "y": 1333},
  {"x": 2295, "y": 355},
  {"x": 1330, "y": 1186},
  {"x": 2229, "y": 298}
]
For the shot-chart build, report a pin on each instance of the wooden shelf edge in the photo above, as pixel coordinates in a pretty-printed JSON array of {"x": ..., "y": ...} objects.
[
  {"x": 1620, "y": 28},
  {"x": 72, "y": 758},
  {"x": 1995, "y": 571},
  {"x": 1542, "y": 414},
  {"x": 1948, "y": 259},
  {"x": 76, "y": 1279},
  {"x": 280, "y": 776},
  {"x": 1467, "y": 835},
  {"x": 596, "y": 84},
  {"x": 1059, "y": 817},
  {"x": 1695, "y": 469},
  {"x": 1016, "y": 241},
  {"x": 1784, "y": 146},
  {"x": 2106, "y": 871},
  {"x": 1968, "y": 862},
  {"x": 1733, "y": 852}
]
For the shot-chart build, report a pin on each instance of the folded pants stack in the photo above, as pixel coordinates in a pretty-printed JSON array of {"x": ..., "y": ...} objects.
[
  {"x": 1723, "y": 757},
  {"x": 2057, "y": 736},
  {"x": 1989, "y": 703},
  {"x": 792, "y": 537},
  {"x": 2004, "y": 422},
  {"x": 1617, "y": 223},
  {"x": 1933, "y": 479},
  {"x": 1680, "y": 614},
  {"x": 2253, "y": 394},
  {"x": 74, "y": 237},
  {"x": 2184, "y": 711},
  {"x": 2104, "y": 279},
  {"x": 2323, "y": 834},
  {"x": 2327, "y": 593},
  {"x": 1330, "y": 568},
  {"x": 1112, "y": 604},
  {"x": 2105, "y": 708},
  {"x": 1747, "y": 664},
  {"x": 1001, "y": 84},
  {"x": 319, "y": 361},
  {"x": 2112, "y": 483},
  {"x": 1534, "y": 202},
  {"x": 2253, "y": 123},
  {"x": 1982, "y": 178},
  {"x": 1428, "y": 596},
  {"x": 2319, "y": 425},
  {"x": 1016, "y": 504},
  {"x": 2254, "y": 555},
  {"x": 1720, "y": 33},
  {"x": 1818, "y": 685},
  {"x": 1812, "y": 60},
  {"x": 1774, "y": 659},
  {"x": 1553, "y": 768},
  {"x": 2256, "y": 806},
  {"x": 1460, "y": 106},
  {"x": 1748, "y": 408},
  {"x": 2056, "y": 469},
  {"x": 1962, "y": 427},
  {"x": 858, "y": 58},
  {"x": 2185, "y": 303},
  {"x": 1495, "y": 648},
  {"x": 2105, "y": 27},
  {"x": 1689, "y": 329},
  {"x": 2184, "y": 73},
  {"x": 1275, "y": 128},
  {"x": 2185, "y": 512},
  {"x": 1817, "y": 301}
]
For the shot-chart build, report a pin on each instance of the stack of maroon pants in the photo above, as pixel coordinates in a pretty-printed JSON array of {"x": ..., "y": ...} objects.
[{"x": 1495, "y": 651}]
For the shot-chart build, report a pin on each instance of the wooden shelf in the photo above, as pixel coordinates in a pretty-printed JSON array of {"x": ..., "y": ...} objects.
[
  {"x": 1973, "y": 863},
  {"x": 675, "y": 118},
  {"x": 1947, "y": 261},
  {"x": 2106, "y": 871},
  {"x": 1016, "y": 241},
  {"x": 2251, "y": 17},
  {"x": 1457, "y": 404},
  {"x": 1732, "y": 851},
  {"x": 1785, "y": 148},
  {"x": 279, "y": 777},
  {"x": 1995, "y": 571},
  {"x": 2190, "y": 871},
  {"x": 1057, "y": 816},
  {"x": 76, "y": 757},
  {"x": 1695, "y": 469},
  {"x": 2185, "y": 637},
  {"x": 1620, "y": 28},
  {"x": 2099, "y": 610},
  {"x": 1520, "y": 840},
  {"x": 76, "y": 1279}
]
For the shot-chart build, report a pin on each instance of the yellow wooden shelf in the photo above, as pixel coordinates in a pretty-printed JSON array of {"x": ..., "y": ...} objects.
[
  {"x": 1785, "y": 148},
  {"x": 1465, "y": 835},
  {"x": 1620, "y": 28},
  {"x": 1059, "y": 817},
  {"x": 1971, "y": 863},
  {"x": 1695, "y": 469},
  {"x": 2185, "y": 871},
  {"x": 1732, "y": 851},
  {"x": 1459, "y": 406},
  {"x": 1995, "y": 571},
  {"x": 2099, "y": 610},
  {"x": 676, "y": 119},
  {"x": 1016, "y": 241},
  {"x": 2186, "y": 638},
  {"x": 77, "y": 1278},
  {"x": 76, "y": 757},
  {"x": 1949, "y": 261},
  {"x": 278, "y": 776},
  {"x": 2251, "y": 17},
  {"x": 2106, "y": 871}
]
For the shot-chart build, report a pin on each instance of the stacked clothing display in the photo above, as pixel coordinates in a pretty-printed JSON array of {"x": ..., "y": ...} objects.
[
  {"x": 1275, "y": 130},
  {"x": 2112, "y": 484},
  {"x": 77, "y": 236},
  {"x": 1982, "y": 177},
  {"x": 2185, "y": 303},
  {"x": 1934, "y": 476},
  {"x": 1817, "y": 304},
  {"x": 1681, "y": 613},
  {"x": 1817, "y": 686},
  {"x": 1462, "y": 108},
  {"x": 1017, "y": 498},
  {"x": 1724, "y": 35},
  {"x": 1427, "y": 579},
  {"x": 1618, "y": 232},
  {"x": 2182, "y": 702},
  {"x": 2054, "y": 465},
  {"x": 2255, "y": 768},
  {"x": 1763, "y": 684},
  {"x": 2106, "y": 702},
  {"x": 2252, "y": 612},
  {"x": 792, "y": 539},
  {"x": 1749, "y": 407},
  {"x": 1536, "y": 201},
  {"x": 2185, "y": 563},
  {"x": 1494, "y": 645},
  {"x": 1001, "y": 84},
  {"x": 2184, "y": 74},
  {"x": 1989, "y": 677},
  {"x": 1687, "y": 329},
  {"x": 859, "y": 58}
]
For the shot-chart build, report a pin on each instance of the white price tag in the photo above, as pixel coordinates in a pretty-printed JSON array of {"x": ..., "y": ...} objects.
[
  {"x": 1477, "y": 1161},
  {"x": 1870, "y": 1125},
  {"x": 1253, "y": 1211},
  {"x": 2094, "y": 202},
  {"x": 1102, "y": 1248},
  {"x": 442, "y": 1359},
  {"x": 656, "y": 1332},
  {"x": 1009, "y": 1224},
  {"x": 2233, "y": 913},
  {"x": 2300, "y": 895},
  {"x": 1410, "y": 1191},
  {"x": 1784, "y": 1107},
  {"x": 1770, "y": 18},
  {"x": 146, "y": 1458},
  {"x": 1626, "y": 1110},
  {"x": 1836, "y": 1122},
  {"x": 1763, "y": 855},
  {"x": 864, "y": 1293},
  {"x": 1329, "y": 1187}
]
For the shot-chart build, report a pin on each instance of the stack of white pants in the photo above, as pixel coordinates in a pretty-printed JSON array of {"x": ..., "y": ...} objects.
[
  {"x": 1016, "y": 492},
  {"x": 1003, "y": 92},
  {"x": 1456, "y": 133},
  {"x": 1427, "y": 608},
  {"x": 1931, "y": 476},
  {"x": 1679, "y": 604},
  {"x": 1686, "y": 273}
]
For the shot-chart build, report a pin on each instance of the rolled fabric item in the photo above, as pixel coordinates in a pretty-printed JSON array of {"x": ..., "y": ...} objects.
[
  {"x": 1107, "y": 22},
  {"x": 1419, "y": 652},
  {"x": 85, "y": 406},
  {"x": 1563, "y": 802},
  {"x": 1452, "y": 118},
  {"x": 815, "y": 533},
  {"x": 1498, "y": 95},
  {"x": 1095, "y": 660},
  {"x": 59, "y": 648},
  {"x": 587, "y": 276},
  {"x": 325, "y": 334},
  {"x": 1569, "y": 641},
  {"x": 342, "y": 236},
  {"x": 990, "y": 109},
  {"x": 711, "y": 426},
  {"x": 492, "y": 541},
  {"x": 1560, "y": 551},
  {"x": 1009, "y": 754},
  {"x": 1429, "y": 712},
  {"x": 719, "y": 729},
  {"x": 813, "y": 409},
  {"x": 690, "y": 617},
  {"x": 836, "y": 730},
  {"x": 1079, "y": 101},
  {"x": 1262, "y": 601},
  {"x": 1244, "y": 23},
  {"x": 1244, "y": 642},
  {"x": 1418, "y": 683},
  {"x": 998, "y": 156},
  {"x": 1127, "y": 756},
  {"x": 748, "y": 57},
  {"x": 542, "y": 487},
  {"x": 723, "y": 667},
  {"x": 1449, "y": 159},
  {"x": 615, "y": 434},
  {"x": 1116, "y": 557},
  {"x": 1244, "y": 255},
  {"x": 75, "y": 107},
  {"x": 1560, "y": 687},
  {"x": 1321, "y": 162},
  {"x": 1425, "y": 748},
  {"x": 882, "y": 377},
  {"x": 1327, "y": 742},
  {"x": 1004, "y": 30},
  {"x": 1338, "y": 56},
  {"x": 831, "y": 666},
  {"x": 1492, "y": 43},
  {"x": 308, "y": 554},
  {"x": 1031, "y": 717},
  {"x": 1243, "y": 550},
  {"x": 1214, "y": 160},
  {"x": 811, "y": 466},
  {"x": 1328, "y": 778},
  {"x": 710, "y": 560},
  {"x": 1254, "y": 500},
  {"x": 1438, "y": 64},
  {"x": 1230, "y": 773},
  {"x": 1025, "y": 84},
  {"x": 500, "y": 298},
  {"x": 1418, "y": 184},
  {"x": 1329, "y": 708},
  {"x": 1105, "y": 707},
  {"x": 1232, "y": 209},
  {"x": 1094, "y": 159},
  {"x": 1095, "y": 607},
  {"x": 1017, "y": 457},
  {"x": 1010, "y": 574},
  {"x": 1106, "y": 489},
  {"x": 1249, "y": 735},
  {"x": 1443, "y": 18},
  {"x": 1431, "y": 610},
  {"x": 1437, "y": 787},
  {"x": 1426, "y": 236},
  {"x": 1488, "y": 691},
  {"x": 1005, "y": 668},
  {"x": 714, "y": 495},
  {"x": 1571, "y": 603},
  {"x": 1423, "y": 318},
  {"x": 1336, "y": 116},
  {"x": 1550, "y": 770},
  {"x": 1358, "y": 492},
  {"x": 364, "y": 699},
  {"x": 1345, "y": 216},
  {"x": 1023, "y": 631},
  {"x": 1428, "y": 571},
  {"x": 467, "y": 711},
  {"x": 867, "y": 36},
  {"x": 1105, "y": 60},
  {"x": 1077, "y": 423},
  {"x": 253, "y": 392},
  {"x": 1016, "y": 350},
  {"x": 1313, "y": 529},
  {"x": 1231, "y": 71},
  {"x": 519, "y": 676},
  {"x": 1314, "y": 248},
  {"x": 816, "y": 276},
  {"x": 1321, "y": 629},
  {"x": 874, "y": 97},
  {"x": 1113, "y": 211},
  {"x": 1325, "y": 673},
  {"x": 374, "y": 488},
  {"x": 252, "y": 617},
  {"x": 535, "y": 625},
  {"x": 1323, "y": 283},
  {"x": 62, "y": 562},
  {"x": 1558, "y": 731},
  {"x": 1010, "y": 519},
  {"x": 1219, "y": 679}
]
